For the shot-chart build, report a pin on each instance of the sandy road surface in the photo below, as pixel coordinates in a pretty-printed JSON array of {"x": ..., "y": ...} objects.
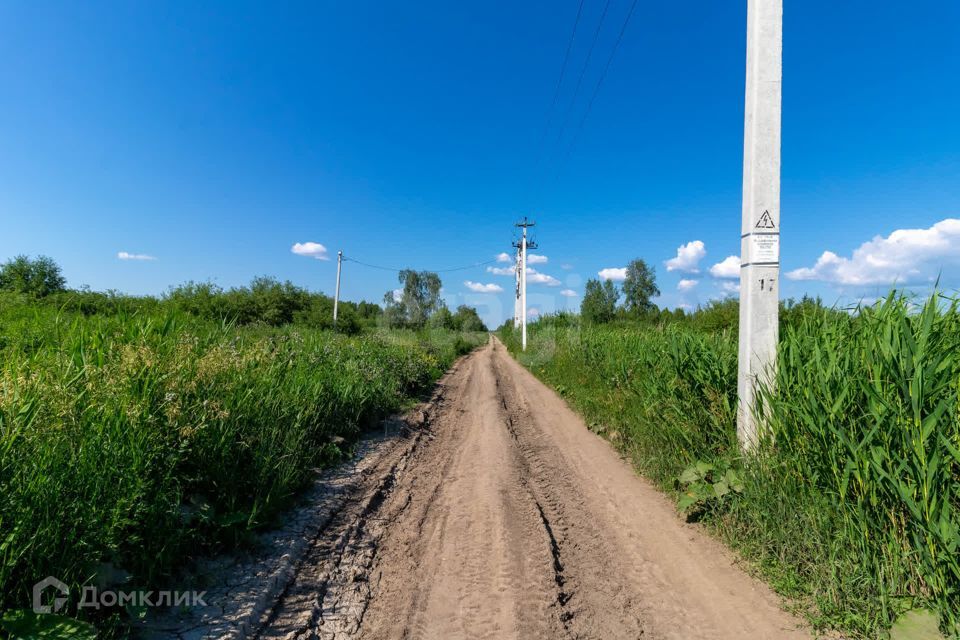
[{"x": 504, "y": 517}]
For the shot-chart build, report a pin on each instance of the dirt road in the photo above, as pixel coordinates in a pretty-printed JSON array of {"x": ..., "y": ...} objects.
[{"x": 502, "y": 516}]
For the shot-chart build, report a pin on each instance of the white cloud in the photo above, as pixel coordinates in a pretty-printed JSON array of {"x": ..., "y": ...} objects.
[
  {"x": 123, "y": 255},
  {"x": 613, "y": 273},
  {"x": 686, "y": 285},
  {"x": 501, "y": 271},
  {"x": 533, "y": 312},
  {"x": 906, "y": 255},
  {"x": 398, "y": 295},
  {"x": 479, "y": 287},
  {"x": 729, "y": 268},
  {"x": 730, "y": 287},
  {"x": 688, "y": 257},
  {"x": 685, "y": 306},
  {"x": 569, "y": 293},
  {"x": 532, "y": 258},
  {"x": 566, "y": 266},
  {"x": 535, "y": 277},
  {"x": 311, "y": 250}
]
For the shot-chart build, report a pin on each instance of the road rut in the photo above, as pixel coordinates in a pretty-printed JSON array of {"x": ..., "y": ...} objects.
[{"x": 503, "y": 516}]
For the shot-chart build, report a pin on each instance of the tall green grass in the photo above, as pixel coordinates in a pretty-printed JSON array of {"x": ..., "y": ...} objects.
[
  {"x": 141, "y": 441},
  {"x": 852, "y": 506}
]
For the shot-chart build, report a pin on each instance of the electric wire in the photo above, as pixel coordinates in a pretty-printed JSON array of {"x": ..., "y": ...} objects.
[
  {"x": 603, "y": 75},
  {"x": 541, "y": 173},
  {"x": 556, "y": 92},
  {"x": 583, "y": 71}
]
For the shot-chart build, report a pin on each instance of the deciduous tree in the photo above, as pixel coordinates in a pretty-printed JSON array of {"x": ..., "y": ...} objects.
[
  {"x": 639, "y": 287},
  {"x": 39, "y": 276},
  {"x": 599, "y": 301}
]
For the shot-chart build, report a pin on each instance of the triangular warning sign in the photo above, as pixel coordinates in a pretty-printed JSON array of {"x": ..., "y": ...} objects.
[{"x": 765, "y": 221}]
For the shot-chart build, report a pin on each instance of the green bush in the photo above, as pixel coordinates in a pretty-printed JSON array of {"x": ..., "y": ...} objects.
[{"x": 38, "y": 277}]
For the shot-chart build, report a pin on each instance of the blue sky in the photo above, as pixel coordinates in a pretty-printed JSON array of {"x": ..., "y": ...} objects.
[{"x": 214, "y": 136}]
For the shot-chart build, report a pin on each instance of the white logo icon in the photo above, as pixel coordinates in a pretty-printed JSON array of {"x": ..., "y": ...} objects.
[{"x": 59, "y": 601}]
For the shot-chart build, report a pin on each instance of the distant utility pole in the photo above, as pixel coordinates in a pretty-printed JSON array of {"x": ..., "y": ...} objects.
[
  {"x": 760, "y": 230},
  {"x": 516, "y": 290},
  {"x": 523, "y": 245},
  {"x": 336, "y": 297}
]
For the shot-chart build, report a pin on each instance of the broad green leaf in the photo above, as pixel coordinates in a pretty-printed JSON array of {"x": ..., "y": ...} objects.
[
  {"x": 721, "y": 488},
  {"x": 704, "y": 468},
  {"x": 733, "y": 480},
  {"x": 702, "y": 490},
  {"x": 24, "y": 624},
  {"x": 918, "y": 624},
  {"x": 687, "y": 500}
]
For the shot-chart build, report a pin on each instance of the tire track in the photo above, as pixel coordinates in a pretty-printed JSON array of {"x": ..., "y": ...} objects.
[{"x": 504, "y": 517}]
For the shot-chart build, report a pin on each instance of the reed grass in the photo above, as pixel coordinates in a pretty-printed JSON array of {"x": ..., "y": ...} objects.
[
  {"x": 140, "y": 441},
  {"x": 852, "y": 505}
]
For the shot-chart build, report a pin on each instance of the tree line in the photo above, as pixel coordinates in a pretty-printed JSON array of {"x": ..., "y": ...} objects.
[
  {"x": 601, "y": 304},
  {"x": 265, "y": 300},
  {"x": 418, "y": 303},
  {"x": 600, "y": 299}
]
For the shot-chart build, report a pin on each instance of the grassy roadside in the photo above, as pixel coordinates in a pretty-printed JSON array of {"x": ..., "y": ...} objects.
[
  {"x": 130, "y": 443},
  {"x": 853, "y": 509}
]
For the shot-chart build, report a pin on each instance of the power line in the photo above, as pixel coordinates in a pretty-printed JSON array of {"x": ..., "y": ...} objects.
[
  {"x": 603, "y": 75},
  {"x": 556, "y": 92},
  {"x": 541, "y": 174},
  {"x": 382, "y": 268},
  {"x": 583, "y": 71}
]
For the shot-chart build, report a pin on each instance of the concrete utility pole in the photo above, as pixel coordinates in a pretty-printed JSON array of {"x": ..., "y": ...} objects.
[
  {"x": 523, "y": 287},
  {"x": 522, "y": 266},
  {"x": 516, "y": 297},
  {"x": 760, "y": 231},
  {"x": 336, "y": 297}
]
